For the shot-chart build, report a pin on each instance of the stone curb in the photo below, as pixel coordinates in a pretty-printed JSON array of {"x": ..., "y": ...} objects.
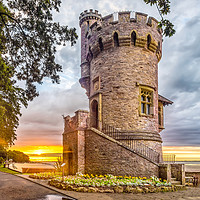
[
  {"x": 117, "y": 189},
  {"x": 45, "y": 185}
]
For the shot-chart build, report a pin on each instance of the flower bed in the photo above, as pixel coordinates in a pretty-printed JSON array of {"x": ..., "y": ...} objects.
[
  {"x": 109, "y": 183},
  {"x": 45, "y": 175}
]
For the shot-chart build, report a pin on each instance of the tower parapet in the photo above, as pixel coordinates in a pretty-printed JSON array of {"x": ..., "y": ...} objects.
[{"x": 88, "y": 15}]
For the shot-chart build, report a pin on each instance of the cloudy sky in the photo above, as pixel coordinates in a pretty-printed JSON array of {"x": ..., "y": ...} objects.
[{"x": 179, "y": 76}]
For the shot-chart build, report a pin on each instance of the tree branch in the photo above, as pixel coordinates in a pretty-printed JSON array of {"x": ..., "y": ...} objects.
[
  {"x": 159, "y": 11},
  {"x": 6, "y": 14}
]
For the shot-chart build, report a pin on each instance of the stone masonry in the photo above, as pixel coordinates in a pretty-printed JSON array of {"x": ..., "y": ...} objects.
[
  {"x": 119, "y": 70},
  {"x": 113, "y": 75}
]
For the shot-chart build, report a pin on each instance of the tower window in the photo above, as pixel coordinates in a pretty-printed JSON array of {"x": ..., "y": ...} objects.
[
  {"x": 158, "y": 46},
  {"x": 148, "y": 41},
  {"x": 88, "y": 25},
  {"x": 133, "y": 37},
  {"x": 116, "y": 39},
  {"x": 146, "y": 101},
  {"x": 160, "y": 115},
  {"x": 100, "y": 44}
]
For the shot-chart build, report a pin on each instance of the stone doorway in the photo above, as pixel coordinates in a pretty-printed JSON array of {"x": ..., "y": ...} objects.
[
  {"x": 70, "y": 163},
  {"x": 94, "y": 114}
]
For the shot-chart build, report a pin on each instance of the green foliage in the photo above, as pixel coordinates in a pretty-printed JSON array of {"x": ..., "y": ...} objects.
[
  {"x": 3, "y": 152},
  {"x": 163, "y": 7},
  {"x": 6, "y": 170},
  {"x": 169, "y": 27},
  {"x": 58, "y": 164},
  {"x": 18, "y": 156},
  {"x": 28, "y": 40},
  {"x": 1, "y": 160}
]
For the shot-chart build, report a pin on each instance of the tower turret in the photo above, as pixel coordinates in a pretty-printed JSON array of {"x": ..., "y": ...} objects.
[
  {"x": 119, "y": 70},
  {"x": 86, "y": 19}
]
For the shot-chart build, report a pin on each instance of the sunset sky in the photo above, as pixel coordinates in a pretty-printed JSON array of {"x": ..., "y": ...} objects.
[{"x": 179, "y": 79}]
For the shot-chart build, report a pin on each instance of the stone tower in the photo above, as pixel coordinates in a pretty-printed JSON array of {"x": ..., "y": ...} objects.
[{"x": 119, "y": 70}]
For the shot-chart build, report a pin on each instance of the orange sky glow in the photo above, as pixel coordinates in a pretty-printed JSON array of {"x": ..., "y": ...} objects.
[
  {"x": 38, "y": 152},
  {"x": 183, "y": 153},
  {"x": 37, "y": 149}
]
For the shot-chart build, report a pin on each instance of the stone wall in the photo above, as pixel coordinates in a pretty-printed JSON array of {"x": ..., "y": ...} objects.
[
  {"x": 165, "y": 172},
  {"x": 178, "y": 172},
  {"x": 74, "y": 142},
  {"x": 106, "y": 156},
  {"x": 168, "y": 171}
]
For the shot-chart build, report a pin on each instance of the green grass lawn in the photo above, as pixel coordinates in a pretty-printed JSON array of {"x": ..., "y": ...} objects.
[{"x": 2, "y": 169}]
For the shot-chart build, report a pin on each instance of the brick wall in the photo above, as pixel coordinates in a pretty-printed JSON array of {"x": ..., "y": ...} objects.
[
  {"x": 74, "y": 142},
  {"x": 105, "y": 156}
]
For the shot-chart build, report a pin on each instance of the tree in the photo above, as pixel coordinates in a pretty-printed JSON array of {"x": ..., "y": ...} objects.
[
  {"x": 18, "y": 156},
  {"x": 3, "y": 152},
  {"x": 28, "y": 39},
  {"x": 163, "y": 7}
]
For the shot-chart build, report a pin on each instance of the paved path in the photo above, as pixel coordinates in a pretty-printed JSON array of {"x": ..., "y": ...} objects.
[
  {"x": 18, "y": 166},
  {"x": 16, "y": 188}
]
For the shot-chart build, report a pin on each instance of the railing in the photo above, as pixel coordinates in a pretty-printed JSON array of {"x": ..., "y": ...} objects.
[
  {"x": 128, "y": 141},
  {"x": 169, "y": 158},
  {"x": 191, "y": 181}
]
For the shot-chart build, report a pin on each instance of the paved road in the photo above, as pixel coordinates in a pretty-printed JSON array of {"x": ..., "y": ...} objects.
[{"x": 16, "y": 188}]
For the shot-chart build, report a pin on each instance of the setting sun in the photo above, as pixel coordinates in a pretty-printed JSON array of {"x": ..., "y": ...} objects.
[{"x": 39, "y": 152}]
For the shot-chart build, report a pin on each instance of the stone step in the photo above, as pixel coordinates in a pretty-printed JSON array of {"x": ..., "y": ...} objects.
[
  {"x": 176, "y": 182},
  {"x": 189, "y": 178},
  {"x": 173, "y": 179}
]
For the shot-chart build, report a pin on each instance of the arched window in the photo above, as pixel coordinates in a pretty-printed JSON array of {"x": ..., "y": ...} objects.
[
  {"x": 89, "y": 55},
  {"x": 146, "y": 101},
  {"x": 148, "y": 41},
  {"x": 100, "y": 44},
  {"x": 158, "y": 46},
  {"x": 133, "y": 37},
  {"x": 94, "y": 114},
  {"x": 116, "y": 40},
  {"x": 88, "y": 25}
]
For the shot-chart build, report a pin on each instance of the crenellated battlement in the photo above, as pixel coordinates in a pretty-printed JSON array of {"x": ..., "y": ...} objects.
[
  {"x": 88, "y": 15},
  {"x": 122, "y": 17},
  {"x": 123, "y": 23}
]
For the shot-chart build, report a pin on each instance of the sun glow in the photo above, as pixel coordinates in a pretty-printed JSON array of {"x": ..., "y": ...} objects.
[
  {"x": 38, "y": 149},
  {"x": 51, "y": 153},
  {"x": 183, "y": 153},
  {"x": 38, "y": 152}
]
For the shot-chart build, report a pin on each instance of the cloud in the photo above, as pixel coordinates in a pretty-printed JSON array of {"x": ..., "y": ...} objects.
[
  {"x": 179, "y": 74},
  {"x": 43, "y": 121}
]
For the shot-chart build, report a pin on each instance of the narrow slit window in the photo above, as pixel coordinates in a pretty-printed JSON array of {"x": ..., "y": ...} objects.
[
  {"x": 148, "y": 41},
  {"x": 100, "y": 44},
  {"x": 133, "y": 37},
  {"x": 116, "y": 39},
  {"x": 88, "y": 25},
  {"x": 158, "y": 46}
]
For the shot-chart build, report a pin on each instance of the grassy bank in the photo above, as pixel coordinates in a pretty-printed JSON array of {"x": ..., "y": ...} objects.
[{"x": 6, "y": 170}]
